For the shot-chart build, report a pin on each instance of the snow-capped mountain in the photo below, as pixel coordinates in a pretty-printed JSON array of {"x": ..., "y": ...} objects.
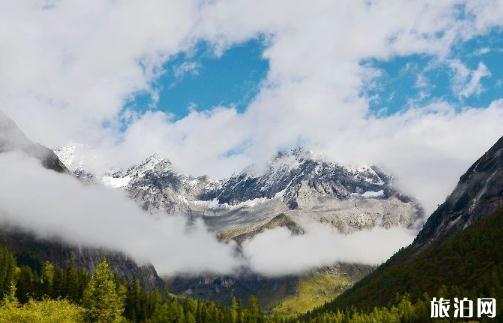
[
  {"x": 157, "y": 185},
  {"x": 297, "y": 177},
  {"x": 292, "y": 187}
]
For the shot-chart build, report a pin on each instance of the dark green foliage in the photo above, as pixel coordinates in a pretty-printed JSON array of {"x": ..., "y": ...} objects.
[
  {"x": 7, "y": 270},
  {"x": 130, "y": 300},
  {"x": 468, "y": 264}
]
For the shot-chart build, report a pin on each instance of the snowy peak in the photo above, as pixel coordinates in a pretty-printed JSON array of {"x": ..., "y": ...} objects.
[
  {"x": 158, "y": 185},
  {"x": 293, "y": 176},
  {"x": 154, "y": 165},
  {"x": 296, "y": 184}
]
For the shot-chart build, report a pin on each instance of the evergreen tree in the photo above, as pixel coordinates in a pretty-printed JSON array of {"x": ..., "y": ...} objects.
[
  {"x": 47, "y": 278},
  {"x": 254, "y": 311},
  {"x": 103, "y": 299},
  {"x": 71, "y": 286},
  {"x": 7, "y": 271},
  {"x": 235, "y": 310},
  {"x": 26, "y": 286}
]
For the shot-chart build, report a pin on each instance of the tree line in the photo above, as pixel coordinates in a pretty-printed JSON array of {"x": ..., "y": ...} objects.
[{"x": 71, "y": 294}]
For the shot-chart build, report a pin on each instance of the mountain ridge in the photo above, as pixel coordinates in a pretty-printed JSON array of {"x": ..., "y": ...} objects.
[{"x": 294, "y": 183}]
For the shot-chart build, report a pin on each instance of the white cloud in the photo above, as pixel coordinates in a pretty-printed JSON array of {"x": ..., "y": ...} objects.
[
  {"x": 91, "y": 215},
  {"x": 60, "y": 206},
  {"x": 68, "y": 69},
  {"x": 277, "y": 252},
  {"x": 468, "y": 82},
  {"x": 186, "y": 68}
]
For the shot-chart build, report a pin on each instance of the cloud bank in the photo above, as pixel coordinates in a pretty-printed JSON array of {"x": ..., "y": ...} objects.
[
  {"x": 54, "y": 205},
  {"x": 58, "y": 205},
  {"x": 277, "y": 252},
  {"x": 71, "y": 66}
]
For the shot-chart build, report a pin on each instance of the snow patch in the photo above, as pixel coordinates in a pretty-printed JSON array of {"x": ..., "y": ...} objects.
[
  {"x": 116, "y": 182},
  {"x": 372, "y": 194}
]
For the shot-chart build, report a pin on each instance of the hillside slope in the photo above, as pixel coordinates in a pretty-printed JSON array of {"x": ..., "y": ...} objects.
[
  {"x": 459, "y": 247},
  {"x": 469, "y": 264}
]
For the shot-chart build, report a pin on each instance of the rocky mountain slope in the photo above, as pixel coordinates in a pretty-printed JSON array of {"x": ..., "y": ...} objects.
[
  {"x": 296, "y": 185},
  {"x": 478, "y": 193},
  {"x": 13, "y": 139},
  {"x": 24, "y": 244},
  {"x": 459, "y": 247}
]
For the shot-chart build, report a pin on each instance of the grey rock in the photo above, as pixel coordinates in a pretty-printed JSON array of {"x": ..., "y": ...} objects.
[{"x": 478, "y": 193}]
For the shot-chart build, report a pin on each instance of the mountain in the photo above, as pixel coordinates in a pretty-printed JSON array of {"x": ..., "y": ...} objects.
[
  {"x": 456, "y": 254},
  {"x": 478, "y": 193},
  {"x": 35, "y": 250},
  {"x": 293, "y": 186},
  {"x": 13, "y": 139}
]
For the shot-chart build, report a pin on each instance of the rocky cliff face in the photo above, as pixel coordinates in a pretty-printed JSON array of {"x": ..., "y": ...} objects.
[{"x": 478, "y": 193}]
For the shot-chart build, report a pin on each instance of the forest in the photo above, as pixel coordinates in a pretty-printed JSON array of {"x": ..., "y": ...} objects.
[{"x": 468, "y": 264}]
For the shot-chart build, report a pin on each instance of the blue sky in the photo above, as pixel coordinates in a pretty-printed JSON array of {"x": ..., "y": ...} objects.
[
  {"x": 201, "y": 79},
  {"x": 422, "y": 79}
]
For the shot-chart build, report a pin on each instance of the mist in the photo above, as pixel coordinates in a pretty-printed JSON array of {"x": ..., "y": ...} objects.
[
  {"x": 278, "y": 252},
  {"x": 53, "y": 205}
]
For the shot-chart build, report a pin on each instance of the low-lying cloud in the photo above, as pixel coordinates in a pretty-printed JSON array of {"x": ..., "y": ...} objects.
[
  {"x": 54, "y": 205},
  {"x": 278, "y": 252},
  {"x": 58, "y": 205}
]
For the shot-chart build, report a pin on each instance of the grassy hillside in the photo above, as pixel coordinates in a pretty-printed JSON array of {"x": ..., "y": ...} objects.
[
  {"x": 312, "y": 291},
  {"x": 468, "y": 264},
  {"x": 285, "y": 294}
]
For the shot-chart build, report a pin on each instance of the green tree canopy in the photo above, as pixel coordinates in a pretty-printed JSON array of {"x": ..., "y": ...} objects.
[{"x": 103, "y": 299}]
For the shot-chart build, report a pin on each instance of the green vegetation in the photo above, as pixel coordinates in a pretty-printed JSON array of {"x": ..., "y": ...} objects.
[
  {"x": 468, "y": 264},
  {"x": 313, "y": 291},
  {"x": 103, "y": 298},
  {"x": 43, "y": 311},
  {"x": 72, "y": 295}
]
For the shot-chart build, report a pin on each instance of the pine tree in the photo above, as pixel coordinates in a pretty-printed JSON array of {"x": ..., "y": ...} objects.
[
  {"x": 235, "y": 310},
  {"x": 47, "y": 278},
  {"x": 71, "y": 287},
  {"x": 254, "y": 310},
  {"x": 7, "y": 271},
  {"x": 102, "y": 298},
  {"x": 25, "y": 284}
]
